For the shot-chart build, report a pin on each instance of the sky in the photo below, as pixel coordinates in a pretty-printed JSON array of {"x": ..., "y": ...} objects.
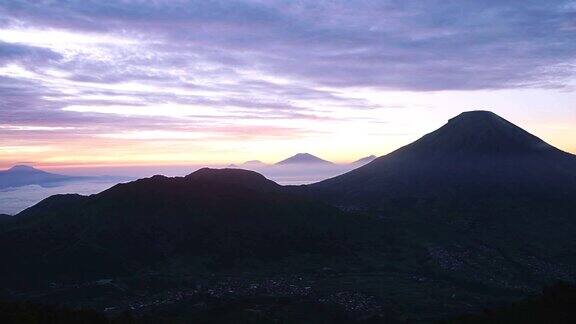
[{"x": 92, "y": 83}]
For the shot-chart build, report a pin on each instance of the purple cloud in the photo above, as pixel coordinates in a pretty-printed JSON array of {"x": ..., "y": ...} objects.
[
  {"x": 437, "y": 45},
  {"x": 263, "y": 60},
  {"x": 26, "y": 55}
]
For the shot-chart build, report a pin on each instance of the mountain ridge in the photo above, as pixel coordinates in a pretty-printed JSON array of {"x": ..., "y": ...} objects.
[{"x": 214, "y": 216}]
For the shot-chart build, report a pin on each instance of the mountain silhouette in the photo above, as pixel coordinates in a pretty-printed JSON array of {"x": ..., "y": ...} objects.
[
  {"x": 478, "y": 133},
  {"x": 23, "y": 175},
  {"x": 476, "y": 154},
  {"x": 489, "y": 204},
  {"x": 304, "y": 158},
  {"x": 211, "y": 217},
  {"x": 233, "y": 177},
  {"x": 474, "y": 213}
]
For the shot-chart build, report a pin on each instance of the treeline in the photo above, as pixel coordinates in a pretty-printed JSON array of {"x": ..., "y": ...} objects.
[
  {"x": 556, "y": 304},
  {"x": 32, "y": 313}
]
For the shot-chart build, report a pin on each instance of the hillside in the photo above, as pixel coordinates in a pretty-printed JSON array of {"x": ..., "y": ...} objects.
[
  {"x": 491, "y": 204},
  {"x": 212, "y": 218}
]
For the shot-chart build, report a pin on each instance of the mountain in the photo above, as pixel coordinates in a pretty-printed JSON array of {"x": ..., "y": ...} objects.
[
  {"x": 254, "y": 164},
  {"x": 476, "y": 154},
  {"x": 22, "y": 175},
  {"x": 210, "y": 219},
  {"x": 489, "y": 204},
  {"x": 364, "y": 160},
  {"x": 304, "y": 158}
]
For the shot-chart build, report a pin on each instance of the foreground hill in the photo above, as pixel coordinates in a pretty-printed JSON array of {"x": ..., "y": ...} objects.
[
  {"x": 556, "y": 304},
  {"x": 210, "y": 219}
]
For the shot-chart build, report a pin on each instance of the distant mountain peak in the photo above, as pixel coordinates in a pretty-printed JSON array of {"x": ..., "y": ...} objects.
[
  {"x": 303, "y": 158},
  {"x": 23, "y": 175},
  {"x": 253, "y": 163},
  {"x": 22, "y": 167}
]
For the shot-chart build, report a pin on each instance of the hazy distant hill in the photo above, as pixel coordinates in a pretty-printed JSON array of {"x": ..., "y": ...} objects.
[
  {"x": 22, "y": 175},
  {"x": 254, "y": 164},
  {"x": 304, "y": 158}
]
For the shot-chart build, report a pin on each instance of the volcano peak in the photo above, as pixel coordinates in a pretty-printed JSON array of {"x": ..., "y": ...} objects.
[
  {"x": 482, "y": 132},
  {"x": 479, "y": 118},
  {"x": 303, "y": 158},
  {"x": 22, "y": 168}
]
